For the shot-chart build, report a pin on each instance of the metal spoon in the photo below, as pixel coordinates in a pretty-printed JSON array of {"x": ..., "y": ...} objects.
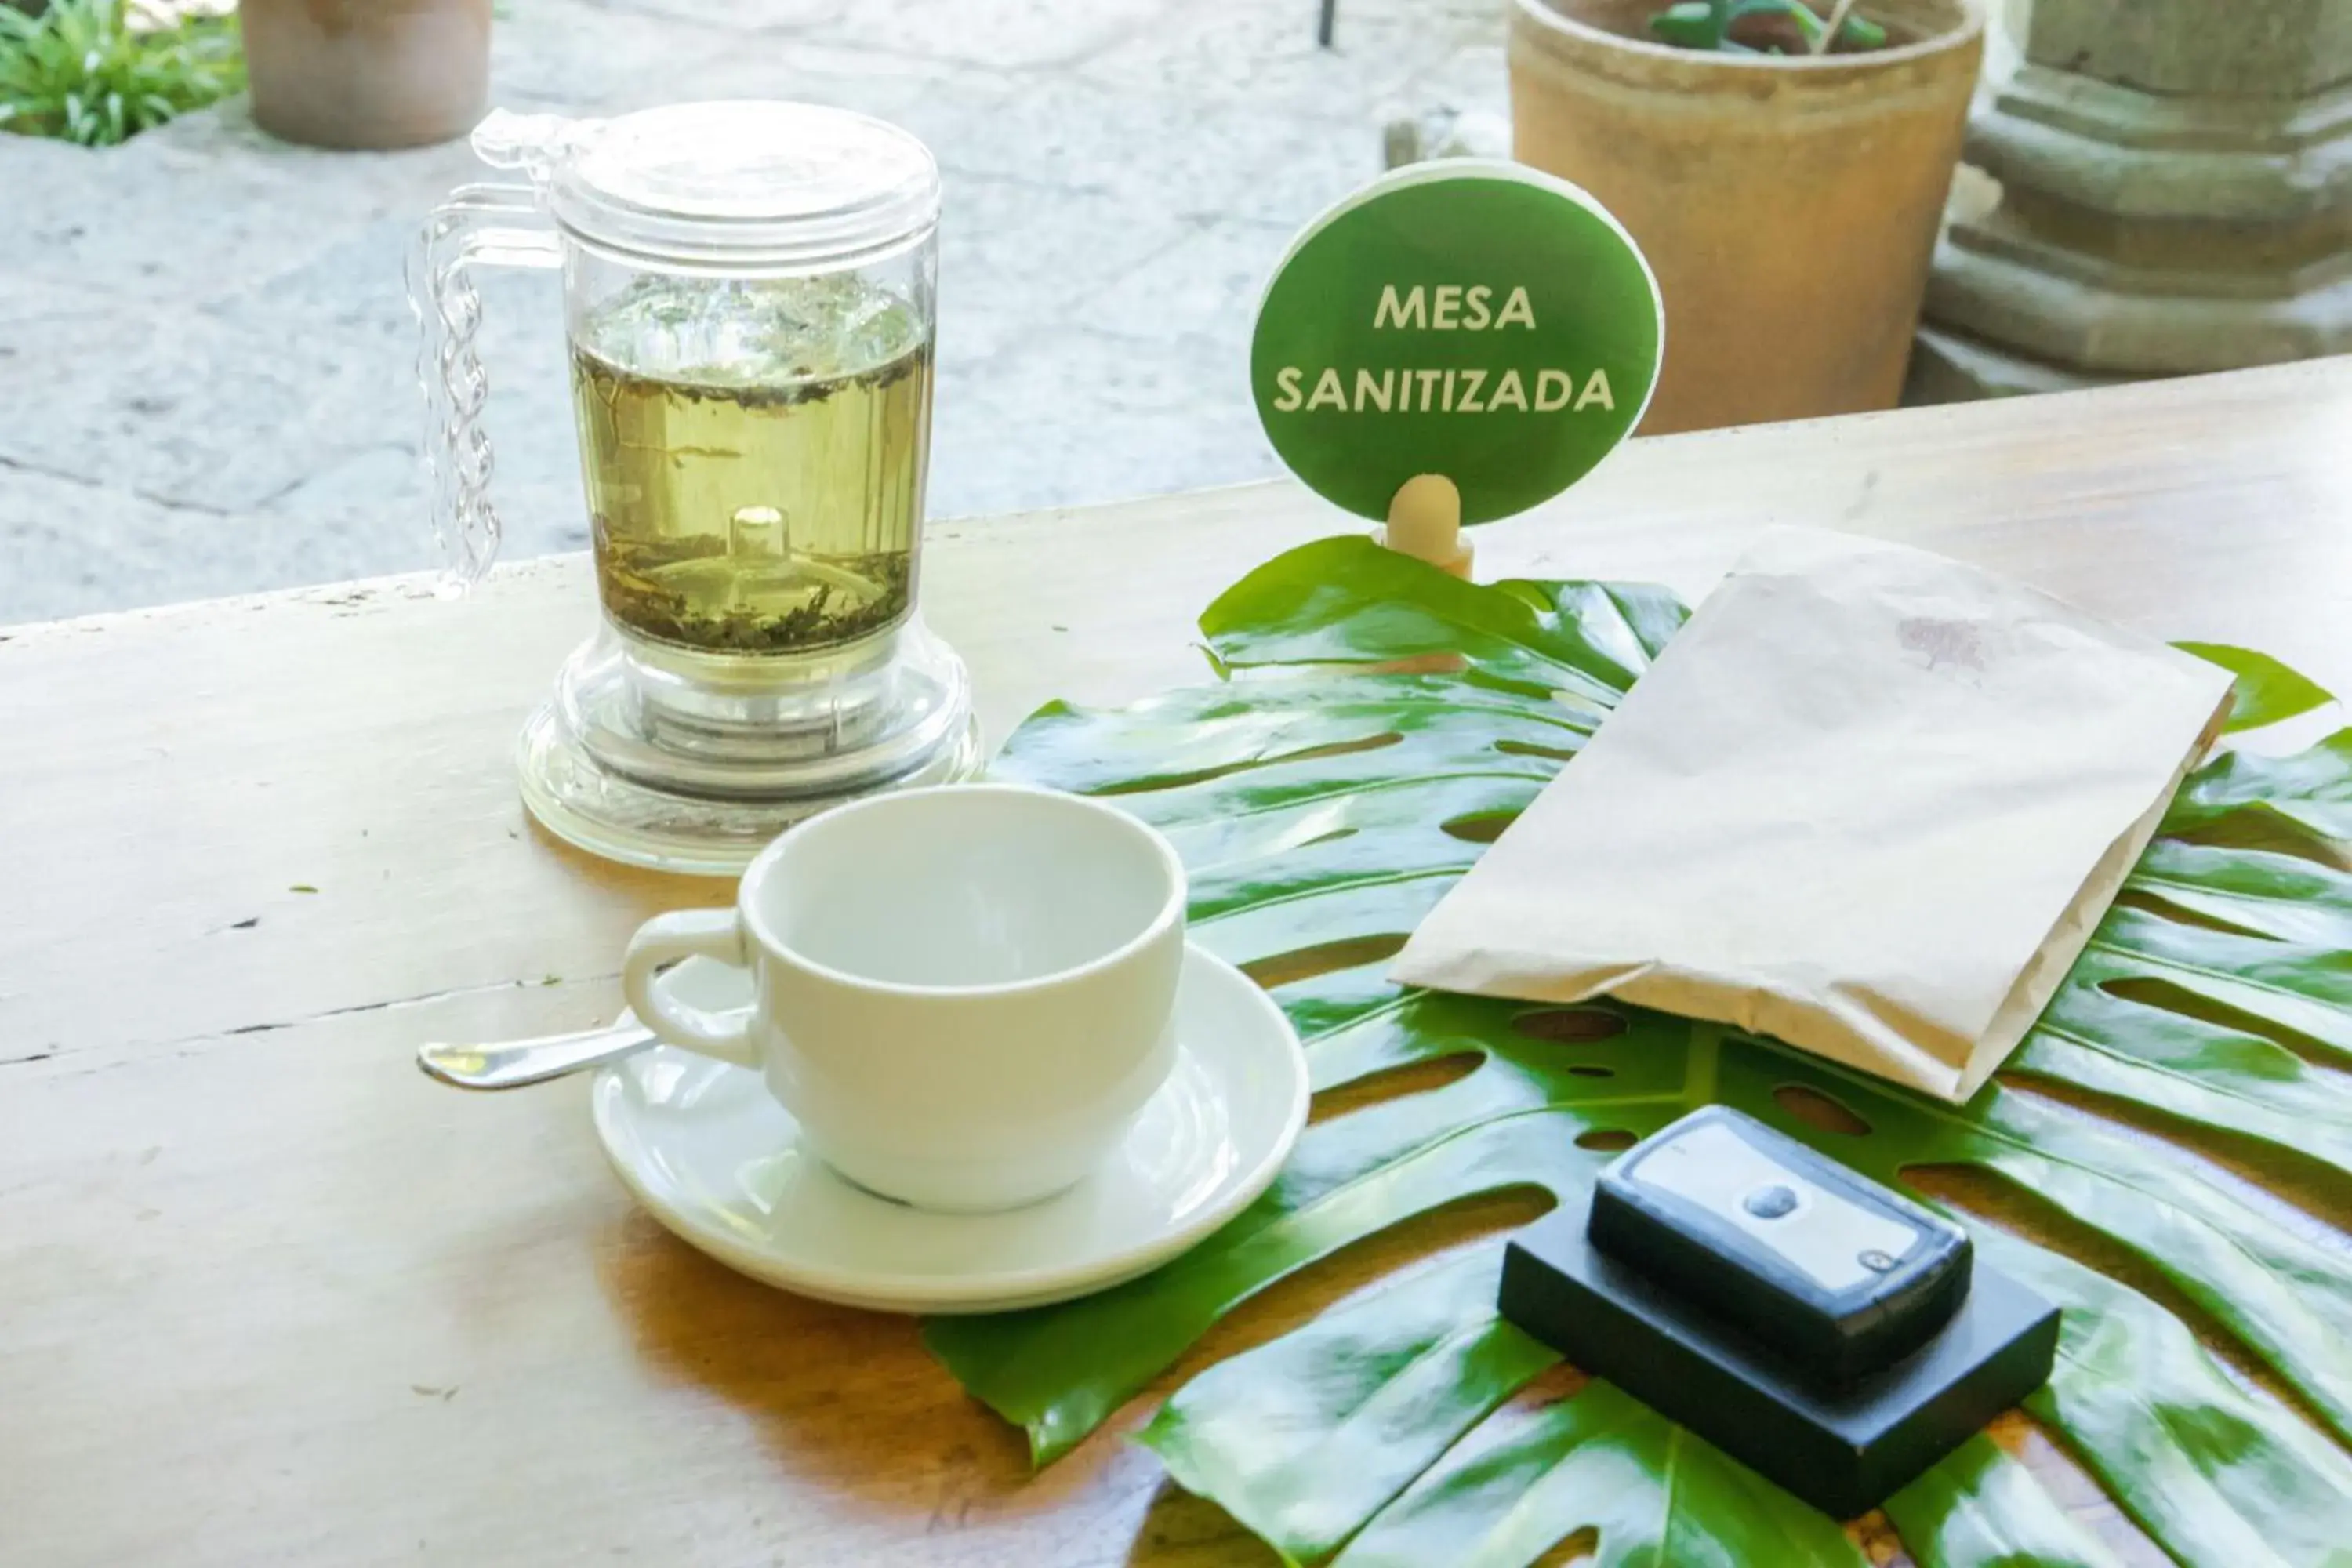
[{"x": 510, "y": 1064}]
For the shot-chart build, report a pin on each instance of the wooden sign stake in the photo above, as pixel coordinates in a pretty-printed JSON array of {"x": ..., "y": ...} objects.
[{"x": 1425, "y": 523}]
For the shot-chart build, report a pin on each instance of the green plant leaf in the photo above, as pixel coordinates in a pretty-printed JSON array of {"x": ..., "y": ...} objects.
[
  {"x": 1306, "y": 1438},
  {"x": 1650, "y": 1493},
  {"x": 1386, "y": 720},
  {"x": 1708, "y": 24},
  {"x": 1979, "y": 1506},
  {"x": 2219, "y": 1475},
  {"x": 1861, "y": 33},
  {"x": 1059, "y": 1370},
  {"x": 1692, "y": 24},
  {"x": 2307, "y": 798},
  {"x": 80, "y": 73},
  {"x": 2267, "y": 691},
  {"x": 1799, "y": 15},
  {"x": 1349, "y": 601}
]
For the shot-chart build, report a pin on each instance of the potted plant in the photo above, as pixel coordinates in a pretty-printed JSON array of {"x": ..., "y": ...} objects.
[
  {"x": 1784, "y": 168},
  {"x": 98, "y": 72},
  {"x": 367, "y": 73}
]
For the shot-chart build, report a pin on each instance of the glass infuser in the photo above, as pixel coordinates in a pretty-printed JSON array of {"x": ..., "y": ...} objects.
[{"x": 749, "y": 303}]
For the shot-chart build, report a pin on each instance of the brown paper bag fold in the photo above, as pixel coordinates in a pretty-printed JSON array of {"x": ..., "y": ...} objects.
[{"x": 1869, "y": 800}]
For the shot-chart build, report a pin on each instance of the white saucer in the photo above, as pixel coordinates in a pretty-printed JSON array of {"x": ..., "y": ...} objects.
[{"x": 704, "y": 1147}]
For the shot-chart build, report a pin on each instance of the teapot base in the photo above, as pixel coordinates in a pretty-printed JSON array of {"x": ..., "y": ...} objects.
[{"x": 628, "y": 763}]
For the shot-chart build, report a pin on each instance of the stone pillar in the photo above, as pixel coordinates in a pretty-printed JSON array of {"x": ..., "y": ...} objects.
[{"x": 2174, "y": 195}]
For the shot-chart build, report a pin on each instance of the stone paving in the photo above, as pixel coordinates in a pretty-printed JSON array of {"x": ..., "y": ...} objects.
[{"x": 207, "y": 357}]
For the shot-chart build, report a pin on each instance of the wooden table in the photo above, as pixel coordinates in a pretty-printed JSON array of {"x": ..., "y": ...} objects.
[{"x": 267, "y": 1296}]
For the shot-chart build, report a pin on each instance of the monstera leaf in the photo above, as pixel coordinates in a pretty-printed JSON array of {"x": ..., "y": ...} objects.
[{"x": 1377, "y": 724}]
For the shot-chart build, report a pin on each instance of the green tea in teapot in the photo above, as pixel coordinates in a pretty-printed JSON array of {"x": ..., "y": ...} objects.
[{"x": 754, "y": 455}]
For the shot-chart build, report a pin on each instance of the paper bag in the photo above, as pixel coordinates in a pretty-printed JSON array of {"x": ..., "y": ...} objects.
[{"x": 1869, "y": 800}]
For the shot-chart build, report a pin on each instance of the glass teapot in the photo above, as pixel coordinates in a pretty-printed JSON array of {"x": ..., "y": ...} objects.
[{"x": 749, "y": 303}]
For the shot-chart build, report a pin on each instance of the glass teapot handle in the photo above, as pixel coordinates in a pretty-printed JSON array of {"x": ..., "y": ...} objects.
[{"x": 479, "y": 224}]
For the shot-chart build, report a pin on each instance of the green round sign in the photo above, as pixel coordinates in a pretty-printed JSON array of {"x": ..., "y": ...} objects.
[{"x": 1467, "y": 318}]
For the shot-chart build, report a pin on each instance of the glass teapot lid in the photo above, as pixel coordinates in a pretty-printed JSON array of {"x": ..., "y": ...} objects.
[{"x": 753, "y": 183}]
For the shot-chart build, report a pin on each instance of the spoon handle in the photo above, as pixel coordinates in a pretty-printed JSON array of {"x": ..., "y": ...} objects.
[{"x": 510, "y": 1064}]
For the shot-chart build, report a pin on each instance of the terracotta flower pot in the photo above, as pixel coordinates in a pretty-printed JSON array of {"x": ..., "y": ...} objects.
[
  {"x": 1789, "y": 206},
  {"x": 367, "y": 73}
]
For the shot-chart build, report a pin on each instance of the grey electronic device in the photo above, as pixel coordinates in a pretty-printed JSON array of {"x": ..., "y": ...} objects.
[{"x": 1824, "y": 1266}]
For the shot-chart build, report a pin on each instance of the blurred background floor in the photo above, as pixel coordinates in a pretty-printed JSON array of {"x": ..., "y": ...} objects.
[{"x": 207, "y": 359}]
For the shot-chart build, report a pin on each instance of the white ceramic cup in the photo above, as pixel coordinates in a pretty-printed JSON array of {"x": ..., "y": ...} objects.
[{"x": 964, "y": 994}]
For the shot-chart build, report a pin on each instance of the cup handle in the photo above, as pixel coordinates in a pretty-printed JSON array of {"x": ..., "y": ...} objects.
[{"x": 688, "y": 934}]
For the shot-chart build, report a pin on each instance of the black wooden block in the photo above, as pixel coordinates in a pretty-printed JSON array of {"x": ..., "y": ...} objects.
[{"x": 1842, "y": 1450}]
